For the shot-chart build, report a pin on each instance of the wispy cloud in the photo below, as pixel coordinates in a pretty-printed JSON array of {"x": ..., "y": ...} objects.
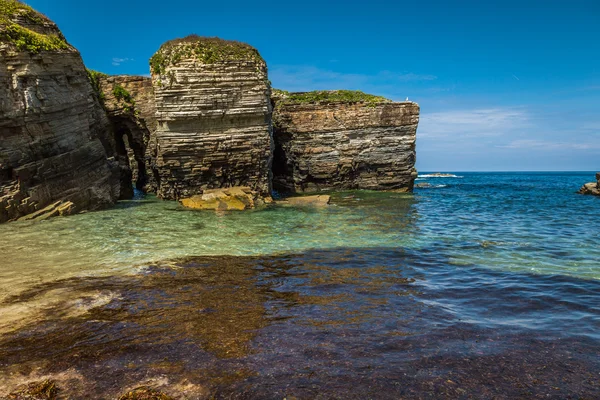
[
  {"x": 462, "y": 124},
  {"x": 116, "y": 61},
  {"x": 547, "y": 145},
  {"x": 305, "y": 78}
]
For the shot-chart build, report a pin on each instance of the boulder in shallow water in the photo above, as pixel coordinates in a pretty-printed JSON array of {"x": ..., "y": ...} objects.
[
  {"x": 226, "y": 199},
  {"x": 145, "y": 393}
]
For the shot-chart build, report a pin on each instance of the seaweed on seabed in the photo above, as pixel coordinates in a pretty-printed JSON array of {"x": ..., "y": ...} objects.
[
  {"x": 144, "y": 393},
  {"x": 44, "y": 390}
]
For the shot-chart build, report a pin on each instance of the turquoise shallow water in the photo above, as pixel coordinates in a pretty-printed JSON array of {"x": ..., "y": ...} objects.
[
  {"x": 483, "y": 285},
  {"x": 533, "y": 222}
]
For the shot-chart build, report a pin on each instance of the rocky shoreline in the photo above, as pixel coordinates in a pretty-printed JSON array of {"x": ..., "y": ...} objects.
[{"x": 74, "y": 140}]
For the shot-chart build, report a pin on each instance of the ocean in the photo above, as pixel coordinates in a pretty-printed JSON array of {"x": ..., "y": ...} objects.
[{"x": 479, "y": 285}]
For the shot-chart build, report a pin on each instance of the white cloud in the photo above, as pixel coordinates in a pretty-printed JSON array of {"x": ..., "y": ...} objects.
[
  {"x": 547, "y": 145},
  {"x": 116, "y": 61}
]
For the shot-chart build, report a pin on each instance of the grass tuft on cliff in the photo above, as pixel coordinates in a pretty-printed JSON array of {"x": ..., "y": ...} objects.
[
  {"x": 27, "y": 30},
  {"x": 94, "y": 77},
  {"x": 327, "y": 96},
  {"x": 208, "y": 50}
]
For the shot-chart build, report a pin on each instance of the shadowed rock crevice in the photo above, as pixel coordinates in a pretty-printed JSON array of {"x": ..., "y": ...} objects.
[{"x": 129, "y": 102}]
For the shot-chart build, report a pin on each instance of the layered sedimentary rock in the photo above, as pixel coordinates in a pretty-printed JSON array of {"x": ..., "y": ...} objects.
[
  {"x": 214, "y": 117},
  {"x": 53, "y": 132},
  {"x": 592, "y": 188},
  {"x": 343, "y": 140},
  {"x": 129, "y": 102}
]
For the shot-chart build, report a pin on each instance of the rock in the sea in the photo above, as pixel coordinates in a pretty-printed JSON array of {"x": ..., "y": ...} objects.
[
  {"x": 226, "y": 199},
  {"x": 214, "y": 117},
  {"x": 321, "y": 200},
  {"x": 43, "y": 390},
  {"x": 129, "y": 102},
  {"x": 343, "y": 140},
  {"x": 592, "y": 188},
  {"x": 54, "y": 135}
]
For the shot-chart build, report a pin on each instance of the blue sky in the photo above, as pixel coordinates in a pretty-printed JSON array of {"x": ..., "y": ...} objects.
[{"x": 502, "y": 85}]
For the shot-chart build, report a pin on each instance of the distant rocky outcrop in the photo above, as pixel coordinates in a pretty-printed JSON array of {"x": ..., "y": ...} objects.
[
  {"x": 129, "y": 102},
  {"x": 214, "y": 117},
  {"x": 54, "y": 135},
  {"x": 592, "y": 188},
  {"x": 332, "y": 140}
]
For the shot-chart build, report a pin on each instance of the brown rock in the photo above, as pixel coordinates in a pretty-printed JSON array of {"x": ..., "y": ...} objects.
[
  {"x": 54, "y": 135},
  {"x": 592, "y": 188},
  {"x": 144, "y": 393},
  {"x": 344, "y": 145},
  {"x": 214, "y": 117}
]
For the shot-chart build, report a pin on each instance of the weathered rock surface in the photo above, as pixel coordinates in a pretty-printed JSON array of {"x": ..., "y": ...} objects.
[
  {"x": 53, "y": 132},
  {"x": 343, "y": 142},
  {"x": 314, "y": 201},
  {"x": 592, "y": 188},
  {"x": 129, "y": 102},
  {"x": 227, "y": 199},
  {"x": 214, "y": 117}
]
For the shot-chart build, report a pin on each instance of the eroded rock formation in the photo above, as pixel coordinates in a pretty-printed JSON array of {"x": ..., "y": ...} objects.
[
  {"x": 129, "y": 102},
  {"x": 343, "y": 140},
  {"x": 214, "y": 117},
  {"x": 592, "y": 188},
  {"x": 53, "y": 132}
]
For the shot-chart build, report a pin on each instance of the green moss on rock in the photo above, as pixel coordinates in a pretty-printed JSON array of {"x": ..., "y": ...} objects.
[
  {"x": 328, "y": 96},
  {"x": 94, "y": 77},
  {"x": 21, "y": 37},
  {"x": 204, "y": 49}
]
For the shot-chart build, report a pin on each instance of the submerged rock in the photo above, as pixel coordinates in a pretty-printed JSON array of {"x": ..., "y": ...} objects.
[
  {"x": 343, "y": 140},
  {"x": 592, "y": 188},
  {"x": 214, "y": 117},
  {"x": 227, "y": 199},
  {"x": 54, "y": 135},
  {"x": 315, "y": 201}
]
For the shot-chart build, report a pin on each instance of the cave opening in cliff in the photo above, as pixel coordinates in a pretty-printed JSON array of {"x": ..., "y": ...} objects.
[{"x": 131, "y": 149}]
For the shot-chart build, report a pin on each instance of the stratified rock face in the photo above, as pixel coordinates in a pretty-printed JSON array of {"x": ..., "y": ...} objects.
[
  {"x": 53, "y": 131},
  {"x": 592, "y": 188},
  {"x": 214, "y": 117},
  {"x": 129, "y": 102},
  {"x": 343, "y": 140}
]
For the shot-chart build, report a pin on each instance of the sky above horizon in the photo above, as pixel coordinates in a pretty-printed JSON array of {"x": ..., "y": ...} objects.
[{"x": 503, "y": 85}]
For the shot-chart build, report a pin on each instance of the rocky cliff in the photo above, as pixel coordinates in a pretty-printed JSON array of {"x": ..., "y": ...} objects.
[
  {"x": 343, "y": 140},
  {"x": 592, "y": 188},
  {"x": 53, "y": 132},
  {"x": 129, "y": 102},
  {"x": 214, "y": 117}
]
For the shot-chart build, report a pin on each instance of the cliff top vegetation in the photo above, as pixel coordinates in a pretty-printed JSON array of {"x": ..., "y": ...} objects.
[
  {"x": 208, "y": 50},
  {"x": 328, "y": 96},
  {"x": 13, "y": 14}
]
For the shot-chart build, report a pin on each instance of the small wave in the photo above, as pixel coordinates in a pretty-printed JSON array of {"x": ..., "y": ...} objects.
[{"x": 439, "y": 176}]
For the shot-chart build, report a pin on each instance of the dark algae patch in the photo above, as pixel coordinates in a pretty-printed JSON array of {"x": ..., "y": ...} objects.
[
  {"x": 207, "y": 50},
  {"x": 342, "y": 323},
  {"x": 27, "y": 30},
  {"x": 44, "y": 390}
]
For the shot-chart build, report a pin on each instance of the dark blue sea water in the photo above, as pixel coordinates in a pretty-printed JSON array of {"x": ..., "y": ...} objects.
[{"x": 481, "y": 285}]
